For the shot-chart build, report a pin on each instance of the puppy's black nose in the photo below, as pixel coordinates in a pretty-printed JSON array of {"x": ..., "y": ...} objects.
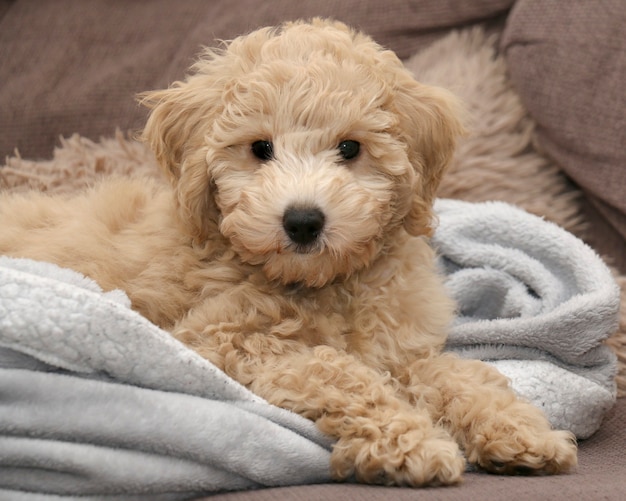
[{"x": 303, "y": 226}]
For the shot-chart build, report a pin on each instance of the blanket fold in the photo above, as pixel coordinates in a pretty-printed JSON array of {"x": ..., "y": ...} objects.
[
  {"x": 98, "y": 403},
  {"x": 96, "y": 400},
  {"x": 147, "y": 434},
  {"x": 536, "y": 302}
]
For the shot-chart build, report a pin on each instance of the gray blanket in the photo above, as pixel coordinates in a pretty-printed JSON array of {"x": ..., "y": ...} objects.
[
  {"x": 97, "y": 402},
  {"x": 537, "y": 303}
]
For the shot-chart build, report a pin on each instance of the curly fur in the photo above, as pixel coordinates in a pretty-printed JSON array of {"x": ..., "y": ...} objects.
[{"x": 346, "y": 330}]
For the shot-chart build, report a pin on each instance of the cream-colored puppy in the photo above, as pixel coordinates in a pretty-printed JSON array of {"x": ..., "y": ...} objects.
[{"x": 290, "y": 249}]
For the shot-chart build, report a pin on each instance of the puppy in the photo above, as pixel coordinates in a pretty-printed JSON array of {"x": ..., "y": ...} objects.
[{"x": 290, "y": 248}]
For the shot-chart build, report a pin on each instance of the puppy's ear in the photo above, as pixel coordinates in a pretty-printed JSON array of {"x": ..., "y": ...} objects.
[
  {"x": 175, "y": 131},
  {"x": 430, "y": 119}
]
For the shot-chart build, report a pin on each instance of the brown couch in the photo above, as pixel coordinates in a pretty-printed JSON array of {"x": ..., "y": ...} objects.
[{"x": 75, "y": 65}]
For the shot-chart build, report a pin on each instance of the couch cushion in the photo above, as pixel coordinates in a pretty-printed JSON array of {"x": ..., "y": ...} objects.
[
  {"x": 568, "y": 62},
  {"x": 75, "y": 65},
  {"x": 4, "y": 6}
]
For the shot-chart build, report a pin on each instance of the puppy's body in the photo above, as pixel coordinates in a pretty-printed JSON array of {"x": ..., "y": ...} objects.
[
  {"x": 122, "y": 233},
  {"x": 290, "y": 250},
  {"x": 126, "y": 233}
]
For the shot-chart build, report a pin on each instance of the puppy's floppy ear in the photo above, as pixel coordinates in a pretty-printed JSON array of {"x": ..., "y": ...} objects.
[
  {"x": 175, "y": 131},
  {"x": 430, "y": 121}
]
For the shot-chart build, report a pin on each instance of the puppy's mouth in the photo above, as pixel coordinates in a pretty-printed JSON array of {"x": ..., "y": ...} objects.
[{"x": 305, "y": 249}]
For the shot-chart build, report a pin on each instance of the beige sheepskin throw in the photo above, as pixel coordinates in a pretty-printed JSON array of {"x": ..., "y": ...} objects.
[{"x": 497, "y": 161}]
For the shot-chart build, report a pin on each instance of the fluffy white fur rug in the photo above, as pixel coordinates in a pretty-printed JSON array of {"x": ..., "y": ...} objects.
[{"x": 497, "y": 161}]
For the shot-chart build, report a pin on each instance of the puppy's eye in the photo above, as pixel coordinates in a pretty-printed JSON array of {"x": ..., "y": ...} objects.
[
  {"x": 349, "y": 149},
  {"x": 263, "y": 150}
]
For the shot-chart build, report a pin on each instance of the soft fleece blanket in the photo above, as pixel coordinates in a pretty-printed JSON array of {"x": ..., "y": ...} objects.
[
  {"x": 537, "y": 303},
  {"x": 97, "y": 402}
]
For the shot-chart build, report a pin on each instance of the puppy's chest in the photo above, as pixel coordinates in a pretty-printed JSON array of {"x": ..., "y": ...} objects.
[
  {"x": 345, "y": 315},
  {"x": 347, "y": 318},
  {"x": 319, "y": 317}
]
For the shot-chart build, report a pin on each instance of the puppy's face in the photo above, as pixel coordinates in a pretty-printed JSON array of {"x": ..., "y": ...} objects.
[{"x": 306, "y": 147}]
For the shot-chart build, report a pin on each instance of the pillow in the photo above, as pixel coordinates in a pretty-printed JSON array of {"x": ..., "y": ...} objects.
[{"x": 568, "y": 62}]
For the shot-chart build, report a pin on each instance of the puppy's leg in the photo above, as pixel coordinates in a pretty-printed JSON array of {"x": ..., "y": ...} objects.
[
  {"x": 380, "y": 437},
  {"x": 497, "y": 430}
]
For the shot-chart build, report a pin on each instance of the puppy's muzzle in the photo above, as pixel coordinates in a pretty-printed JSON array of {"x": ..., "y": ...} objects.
[{"x": 303, "y": 226}]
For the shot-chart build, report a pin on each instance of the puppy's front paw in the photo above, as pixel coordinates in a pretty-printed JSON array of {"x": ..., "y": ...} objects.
[
  {"x": 524, "y": 450},
  {"x": 412, "y": 457}
]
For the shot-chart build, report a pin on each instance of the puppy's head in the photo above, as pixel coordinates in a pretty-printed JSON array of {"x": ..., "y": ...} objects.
[{"x": 306, "y": 146}]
